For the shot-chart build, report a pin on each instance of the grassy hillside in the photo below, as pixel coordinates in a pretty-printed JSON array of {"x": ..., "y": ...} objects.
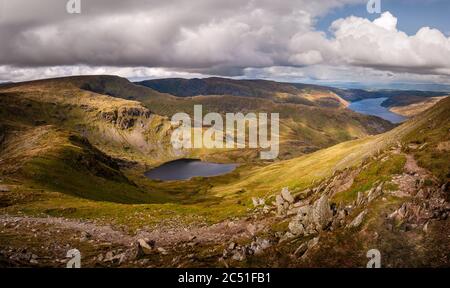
[
  {"x": 57, "y": 160},
  {"x": 413, "y": 108},
  {"x": 427, "y": 136}
]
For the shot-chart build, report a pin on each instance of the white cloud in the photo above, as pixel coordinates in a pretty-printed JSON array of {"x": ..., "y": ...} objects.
[
  {"x": 207, "y": 37},
  {"x": 380, "y": 45}
]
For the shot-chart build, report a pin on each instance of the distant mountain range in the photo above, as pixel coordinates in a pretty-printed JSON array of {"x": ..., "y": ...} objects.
[{"x": 283, "y": 92}]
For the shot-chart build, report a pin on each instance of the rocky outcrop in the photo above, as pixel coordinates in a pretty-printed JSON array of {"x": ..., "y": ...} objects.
[
  {"x": 125, "y": 117},
  {"x": 311, "y": 219}
]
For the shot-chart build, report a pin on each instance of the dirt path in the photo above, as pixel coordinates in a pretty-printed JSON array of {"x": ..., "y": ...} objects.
[
  {"x": 101, "y": 233},
  {"x": 411, "y": 166},
  {"x": 409, "y": 180},
  {"x": 217, "y": 233}
]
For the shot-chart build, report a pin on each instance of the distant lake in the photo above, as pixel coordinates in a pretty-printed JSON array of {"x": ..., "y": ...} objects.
[
  {"x": 373, "y": 107},
  {"x": 185, "y": 169}
]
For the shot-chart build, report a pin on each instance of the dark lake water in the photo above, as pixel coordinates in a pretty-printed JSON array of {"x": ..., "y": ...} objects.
[
  {"x": 373, "y": 107},
  {"x": 185, "y": 169}
]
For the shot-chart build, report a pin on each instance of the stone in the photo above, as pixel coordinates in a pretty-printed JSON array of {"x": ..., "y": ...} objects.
[
  {"x": 375, "y": 193},
  {"x": 162, "y": 251},
  {"x": 358, "y": 220},
  {"x": 144, "y": 246},
  {"x": 258, "y": 202},
  {"x": 108, "y": 257},
  {"x": 296, "y": 227},
  {"x": 321, "y": 214},
  {"x": 360, "y": 199},
  {"x": 287, "y": 195},
  {"x": 313, "y": 242},
  {"x": 303, "y": 195},
  {"x": 238, "y": 255},
  {"x": 301, "y": 249},
  {"x": 259, "y": 245},
  {"x": 279, "y": 201}
]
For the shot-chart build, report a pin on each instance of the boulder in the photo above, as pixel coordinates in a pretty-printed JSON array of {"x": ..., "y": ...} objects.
[
  {"x": 287, "y": 195},
  {"x": 321, "y": 214}
]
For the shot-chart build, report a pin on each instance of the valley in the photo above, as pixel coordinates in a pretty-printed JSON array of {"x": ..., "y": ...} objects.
[{"x": 74, "y": 153}]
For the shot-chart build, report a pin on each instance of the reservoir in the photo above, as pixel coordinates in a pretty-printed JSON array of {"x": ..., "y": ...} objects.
[
  {"x": 185, "y": 169},
  {"x": 373, "y": 107}
]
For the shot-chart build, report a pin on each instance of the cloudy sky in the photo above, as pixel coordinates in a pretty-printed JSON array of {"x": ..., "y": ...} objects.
[{"x": 323, "y": 41}]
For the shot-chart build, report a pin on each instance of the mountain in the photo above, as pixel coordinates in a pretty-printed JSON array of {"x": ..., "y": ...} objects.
[
  {"x": 304, "y": 128},
  {"x": 73, "y": 153},
  {"x": 307, "y": 94},
  {"x": 279, "y": 92},
  {"x": 398, "y": 97}
]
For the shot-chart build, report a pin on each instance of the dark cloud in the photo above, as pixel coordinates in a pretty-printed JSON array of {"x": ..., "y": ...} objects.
[{"x": 208, "y": 37}]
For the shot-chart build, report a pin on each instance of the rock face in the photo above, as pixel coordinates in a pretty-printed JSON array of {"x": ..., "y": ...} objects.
[{"x": 125, "y": 117}]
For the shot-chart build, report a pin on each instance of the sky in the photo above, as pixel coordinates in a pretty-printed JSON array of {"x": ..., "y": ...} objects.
[{"x": 334, "y": 42}]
